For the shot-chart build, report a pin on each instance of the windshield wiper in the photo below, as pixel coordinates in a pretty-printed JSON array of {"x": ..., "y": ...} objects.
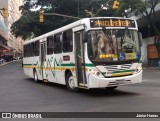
[{"x": 108, "y": 35}]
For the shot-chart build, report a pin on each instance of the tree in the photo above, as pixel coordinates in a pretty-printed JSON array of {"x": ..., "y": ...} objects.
[
  {"x": 147, "y": 9},
  {"x": 28, "y": 25},
  {"x": 127, "y": 5},
  {"x": 144, "y": 7}
]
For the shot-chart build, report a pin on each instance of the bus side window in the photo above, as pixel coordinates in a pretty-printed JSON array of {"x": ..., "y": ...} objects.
[
  {"x": 49, "y": 45},
  {"x": 36, "y": 48},
  {"x": 24, "y": 51},
  {"x": 68, "y": 41},
  {"x": 28, "y": 51},
  {"x": 32, "y": 49},
  {"x": 57, "y": 44}
]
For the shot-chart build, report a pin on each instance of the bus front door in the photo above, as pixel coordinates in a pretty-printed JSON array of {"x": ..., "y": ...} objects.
[
  {"x": 43, "y": 60},
  {"x": 79, "y": 58}
]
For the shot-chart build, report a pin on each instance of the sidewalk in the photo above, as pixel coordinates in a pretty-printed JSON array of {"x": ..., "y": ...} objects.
[{"x": 150, "y": 67}]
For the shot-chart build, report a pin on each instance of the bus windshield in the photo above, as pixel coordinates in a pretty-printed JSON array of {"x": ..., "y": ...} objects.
[{"x": 113, "y": 45}]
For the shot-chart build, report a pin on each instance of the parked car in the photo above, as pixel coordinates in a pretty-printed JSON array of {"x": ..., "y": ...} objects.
[
  {"x": 1, "y": 60},
  {"x": 14, "y": 58}
]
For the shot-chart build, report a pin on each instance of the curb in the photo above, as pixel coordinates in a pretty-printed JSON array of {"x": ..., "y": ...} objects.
[{"x": 5, "y": 63}]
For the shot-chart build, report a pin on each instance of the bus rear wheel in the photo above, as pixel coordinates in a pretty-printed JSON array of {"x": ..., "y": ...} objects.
[
  {"x": 35, "y": 76},
  {"x": 70, "y": 83}
]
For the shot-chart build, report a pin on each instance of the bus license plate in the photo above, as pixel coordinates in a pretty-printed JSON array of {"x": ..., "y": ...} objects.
[{"x": 122, "y": 81}]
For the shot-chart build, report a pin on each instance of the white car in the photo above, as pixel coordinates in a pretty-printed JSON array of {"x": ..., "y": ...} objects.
[{"x": 1, "y": 60}]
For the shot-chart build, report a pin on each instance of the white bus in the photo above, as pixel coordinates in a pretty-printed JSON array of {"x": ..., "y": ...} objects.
[{"x": 100, "y": 52}]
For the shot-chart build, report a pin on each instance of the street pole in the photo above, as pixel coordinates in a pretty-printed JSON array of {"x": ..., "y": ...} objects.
[{"x": 56, "y": 14}]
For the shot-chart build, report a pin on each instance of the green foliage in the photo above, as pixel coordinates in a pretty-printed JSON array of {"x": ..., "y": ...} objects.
[
  {"x": 145, "y": 8},
  {"x": 28, "y": 25},
  {"x": 132, "y": 5}
]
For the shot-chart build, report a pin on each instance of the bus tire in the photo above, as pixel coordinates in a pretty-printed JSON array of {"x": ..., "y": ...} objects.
[
  {"x": 71, "y": 86},
  {"x": 35, "y": 76}
]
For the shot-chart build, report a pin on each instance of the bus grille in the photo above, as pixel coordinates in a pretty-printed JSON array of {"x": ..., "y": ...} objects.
[
  {"x": 118, "y": 67},
  {"x": 119, "y": 82}
]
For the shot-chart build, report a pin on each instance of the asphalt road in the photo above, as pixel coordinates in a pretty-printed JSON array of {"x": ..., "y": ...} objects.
[{"x": 19, "y": 93}]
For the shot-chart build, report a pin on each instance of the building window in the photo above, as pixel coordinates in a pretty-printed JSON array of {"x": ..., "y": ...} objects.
[{"x": 67, "y": 41}]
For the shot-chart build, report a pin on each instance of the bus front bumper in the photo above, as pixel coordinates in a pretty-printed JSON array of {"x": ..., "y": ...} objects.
[{"x": 97, "y": 82}]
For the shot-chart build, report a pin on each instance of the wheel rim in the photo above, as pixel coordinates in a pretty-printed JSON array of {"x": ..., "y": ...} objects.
[{"x": 71, "y": 83}]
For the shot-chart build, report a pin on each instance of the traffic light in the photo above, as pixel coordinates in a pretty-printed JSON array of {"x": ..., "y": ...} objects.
[
  {"x": 41, "y": 16},
  {"x": 4, "y": 12},
  {"x": 115, "y": 4}
]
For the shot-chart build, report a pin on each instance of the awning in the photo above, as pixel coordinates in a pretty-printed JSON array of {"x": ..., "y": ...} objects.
[
  {"x": 4, "y": 48},
  {"x": 3, "y": 35}
]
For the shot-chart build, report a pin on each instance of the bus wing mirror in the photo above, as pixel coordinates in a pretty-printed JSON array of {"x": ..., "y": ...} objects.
[{"x": 140, "y": 38}]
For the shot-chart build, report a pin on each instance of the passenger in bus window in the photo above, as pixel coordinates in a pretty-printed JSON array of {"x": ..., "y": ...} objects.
[{"x": 105, "y": 46}]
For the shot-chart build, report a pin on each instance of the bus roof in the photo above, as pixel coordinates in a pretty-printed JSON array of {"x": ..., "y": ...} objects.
[{"x": 75, "y": 24}]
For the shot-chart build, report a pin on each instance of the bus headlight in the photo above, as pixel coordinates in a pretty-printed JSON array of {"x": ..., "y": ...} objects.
[
  {"x": 139, "y": 68},
  {"x": 95, "y": 72}
]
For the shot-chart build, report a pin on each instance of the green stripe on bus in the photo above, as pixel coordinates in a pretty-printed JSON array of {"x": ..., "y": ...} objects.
[
  {"x": 123, "y": 71},
  {"x": 89, "y": 65},
  {"x": 71, "y": 64}
]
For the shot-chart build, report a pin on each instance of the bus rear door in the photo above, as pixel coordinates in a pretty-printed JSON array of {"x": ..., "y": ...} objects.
[{"x": 43, "y": 60}]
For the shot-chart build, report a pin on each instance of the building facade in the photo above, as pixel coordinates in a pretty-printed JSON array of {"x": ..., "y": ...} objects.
[
  {"x": 3, "y": 37},
  {"x": 14, "y": 44}
]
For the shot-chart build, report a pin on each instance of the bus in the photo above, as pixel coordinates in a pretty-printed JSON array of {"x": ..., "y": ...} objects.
[{"x": 98, "y": 52}]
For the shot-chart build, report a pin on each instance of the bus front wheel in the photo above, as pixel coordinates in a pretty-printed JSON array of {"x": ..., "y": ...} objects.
[{"x": 70, "y": 83}]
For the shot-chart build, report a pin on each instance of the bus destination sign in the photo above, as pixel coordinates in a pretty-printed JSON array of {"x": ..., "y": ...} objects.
[{"x": 112, "y": 23}]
